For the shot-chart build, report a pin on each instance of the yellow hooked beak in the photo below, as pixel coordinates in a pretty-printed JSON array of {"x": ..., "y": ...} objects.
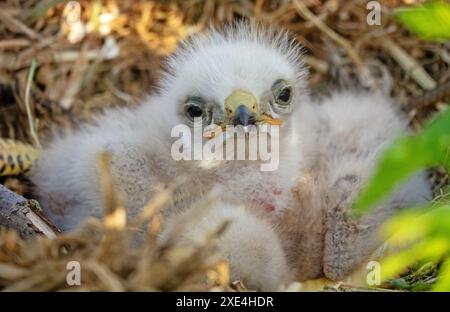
[{"x": 240, "y": 107}]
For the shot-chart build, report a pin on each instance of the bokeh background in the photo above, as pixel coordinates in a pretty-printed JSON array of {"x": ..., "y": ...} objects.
[{"x": 94, "y": 54}]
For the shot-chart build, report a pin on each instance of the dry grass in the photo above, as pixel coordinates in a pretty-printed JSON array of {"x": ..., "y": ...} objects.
[
  {"x": 111, "y": 56},
  {"x": 112, "y": 255}
]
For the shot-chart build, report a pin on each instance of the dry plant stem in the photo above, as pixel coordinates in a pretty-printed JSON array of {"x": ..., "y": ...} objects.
[
  {"x": 14, "y": 43},
  {"x": 438, "y": 94},
  {"x": 316, "y": 63},
  {"x": 75, "y": 81},
  {"x": 32, "y": 15},
  {"x": 18, "y": 26},
  {"x": 409, "y": 64},
  {"x": 16, "y": 212},
  {"x": 27, "y": 105},
  {"x": 348, "y": 288},
  {"x": 363, "y": 72}
]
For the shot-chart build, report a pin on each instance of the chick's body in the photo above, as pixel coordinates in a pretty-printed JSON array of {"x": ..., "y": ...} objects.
[
  {"x": 67, "y": 173},
  {"x": 296, "y": 214},
  {"x": 347, "y": 132}
]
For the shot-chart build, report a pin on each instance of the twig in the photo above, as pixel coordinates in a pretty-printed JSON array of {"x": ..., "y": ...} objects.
[
  {"x": 363, "y": 72},
  {"x": 75, "y": 81},
  {"x": 14, "y": 43},
  {"x": 409, "y": 64},
  {"x": 71, "y": 56},
  {"x": 27, "y": 104},
  {"x": 32, "y": 15},
  {"x": 344, "y": 288},
  {"x": 16, "y": 25},
  {"x": 18, "y": 213},
  {"x": 259, "y": 4},
  {"x": 438, "y": 94},
  {"x": 316, "y": 63}
]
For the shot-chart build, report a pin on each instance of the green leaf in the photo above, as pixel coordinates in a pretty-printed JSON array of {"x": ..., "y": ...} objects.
[
  {"x": 443, "y": 283},
  {"x": 429, "y": 21},
  {"x": 399, "y": 283},
  {"x": 418, "y": 235},
  {"x": 407, "y": 155},
  {"x": 430, "y": 249}
]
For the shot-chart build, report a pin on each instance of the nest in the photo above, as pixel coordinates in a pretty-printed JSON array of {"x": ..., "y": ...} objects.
[
  {"x": 111, "y": 255},
  {"x": 95, "y": 54}
]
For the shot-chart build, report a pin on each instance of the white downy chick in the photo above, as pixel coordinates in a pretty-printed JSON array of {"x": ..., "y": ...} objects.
[{"x": 241, "y": 76}]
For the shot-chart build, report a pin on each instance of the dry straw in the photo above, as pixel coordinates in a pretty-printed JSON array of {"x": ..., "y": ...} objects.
[{"x": 112, "y": 255}]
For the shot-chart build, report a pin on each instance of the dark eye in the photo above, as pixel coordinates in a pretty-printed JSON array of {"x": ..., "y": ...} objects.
[
  {"x": 196, "y": 107},
  {"x": 284, "y": 95},
  {"x": 194, "y": 111}
]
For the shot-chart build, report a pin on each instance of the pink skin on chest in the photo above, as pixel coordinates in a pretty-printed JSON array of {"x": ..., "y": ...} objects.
[
  {"x": 268, "y": 204},
  {"x": 275, "y": 200}
]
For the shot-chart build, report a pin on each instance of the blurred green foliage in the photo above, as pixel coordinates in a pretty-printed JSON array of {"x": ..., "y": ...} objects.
[
  {"x": 419, "y": 235},
  {"x": 407, "y": 155},
  {"x": 426, "y": 234},
  {"x": 420, "y": 277},
  {"x": 420, "y": 238},
  {"x": 428, "y": 21}
]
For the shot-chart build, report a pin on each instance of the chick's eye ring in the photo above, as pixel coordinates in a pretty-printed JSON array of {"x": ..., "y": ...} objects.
[
  {"x": 282, "y": 93},
  {"x": 194, "y": 107}
]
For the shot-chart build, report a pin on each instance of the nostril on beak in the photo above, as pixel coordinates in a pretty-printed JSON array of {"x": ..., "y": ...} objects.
[{"x": 244, "y": 116}]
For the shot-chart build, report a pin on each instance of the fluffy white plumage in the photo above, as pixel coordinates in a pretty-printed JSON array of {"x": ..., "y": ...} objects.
[
  {"x": 295, "y": 217},
  {"x": 251, "y": 245}
]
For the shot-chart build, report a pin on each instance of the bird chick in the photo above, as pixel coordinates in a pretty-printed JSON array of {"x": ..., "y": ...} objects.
[
  {"x": 241, "y": 76},
  {"x": 250, "y": 244},
  {"x": 343, "y": 136}
]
